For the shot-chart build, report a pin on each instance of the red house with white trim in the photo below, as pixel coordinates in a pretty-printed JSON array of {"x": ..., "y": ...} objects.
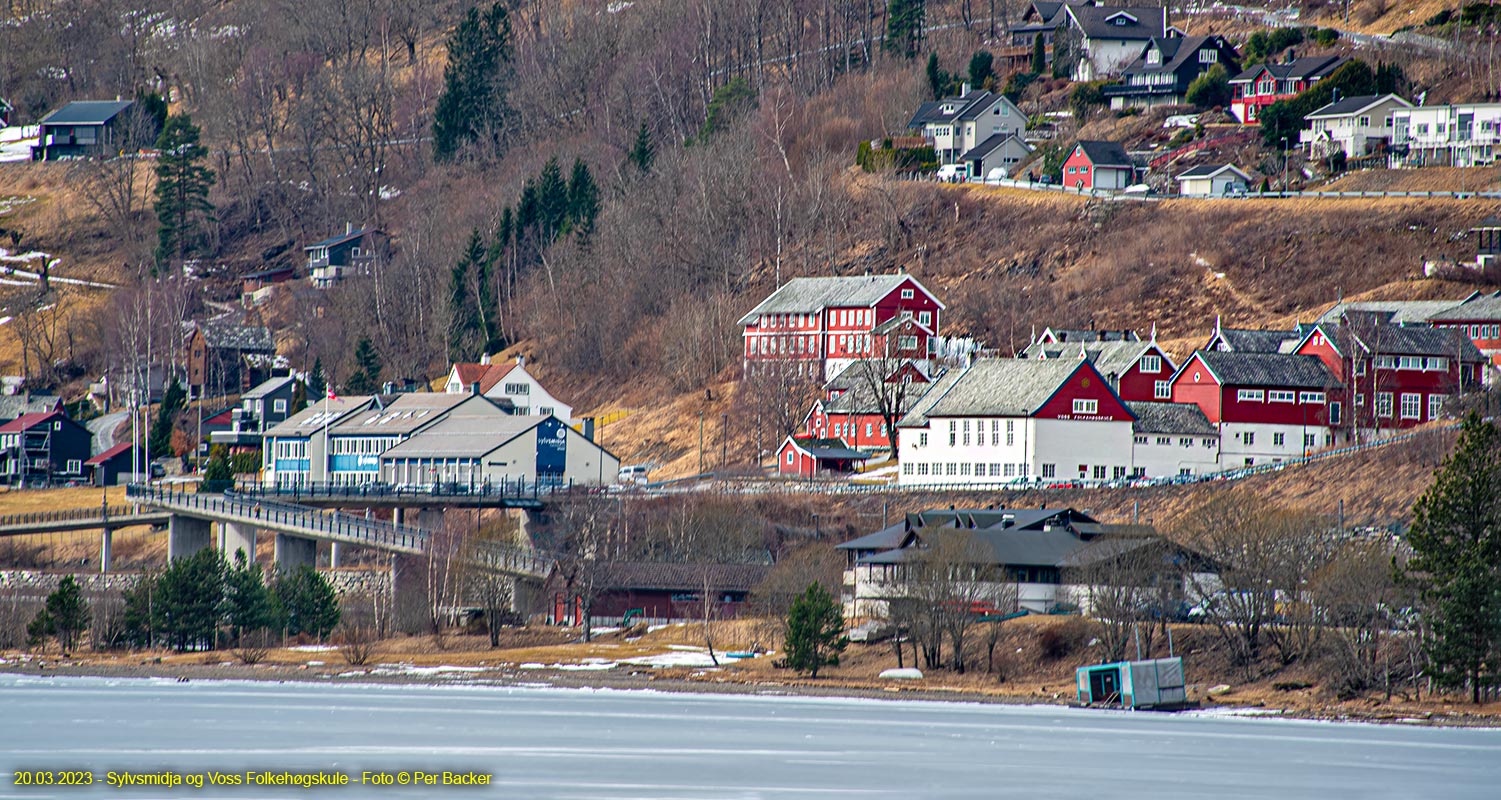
[
  {"x": 1398, "y": 376},
  {"x": 810, "y": 458},
  {"x": 1258, "y": 87},
  {"x": 1137, "y": 370},
  {"x": 1479, "y": 318},
  {"x": 1268, "y": 406},
  {"x": 1098, "y": 165},
  {"x": 822, "y": 325}
]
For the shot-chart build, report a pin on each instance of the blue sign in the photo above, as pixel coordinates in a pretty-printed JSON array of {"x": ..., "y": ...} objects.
[
  {"x": 364, "y": 462},
  {"x": 552, "y": 447}
]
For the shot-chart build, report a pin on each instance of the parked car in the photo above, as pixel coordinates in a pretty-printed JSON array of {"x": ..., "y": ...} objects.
[
  {"x": 952, "y": 173},
  {"x": 635, "y": 473},
  {"x": 996, "y": 175}
]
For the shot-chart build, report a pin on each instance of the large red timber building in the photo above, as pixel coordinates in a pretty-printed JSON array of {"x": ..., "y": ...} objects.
[{"x": 822, "y": 325}]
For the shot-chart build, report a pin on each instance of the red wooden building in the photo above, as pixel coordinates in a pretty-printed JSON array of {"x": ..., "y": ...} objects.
[
  {"x": 821, "y": 325},
  {"x": 1098, "y": 165},
  {"x": 1479, "y": 318},
  {"x": 1268, "y": 406},
  {"x": 1137, "y": 370},
  {"x": 810, "y": 458},
  {"x": 851, "y": 411},
  {"x": 659, "y": 592},
  {"x": 1396, "y": 376},
  {"x": 1258, "y": 87}
]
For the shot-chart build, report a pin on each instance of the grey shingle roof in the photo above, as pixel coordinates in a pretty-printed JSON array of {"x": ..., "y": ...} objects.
[
  {"x": 684, "y": 577},
  {"x": 828, "y": 448},
  {"x": 464, "y": 436},
  {"x": 87, "y": 112},
  {"x": 226, "y": 333},
  {"x": 1111, "y": 358},
  {"x": 805, "y": 295},
  {"x": 1404, "y": 340},
  {"x": 1175, "y": 418},
  {"x": 1305, "y": 67},
  {"x": 338, "y": 239},
  {"x": 1267, "y": 369},
  {"x": 859, "y": 399},
  {"x": 1210, "y": 170},
  {"x": 1097, "y": 22},
  {"x": 313, "y": 418},
  {"x": 1105, "y": 154},
  {"x": 1395, "y": 311},
  {"x": 15, "y": 405},
  {"x": 412, "y": 412},
  {"x": 268, "y": 387},
  {"x": 1480, "y": 307},
  {"x": 1241, "y": 340},
  {"x": 991, "y": 143},
  {"x": 999, "y": 546},
  {"x": 967, "y": 107},
  {"x": 1176, "y": 52},
  {"x": 1352, "y": 105},
  {"x": 1000, "y": 387}
]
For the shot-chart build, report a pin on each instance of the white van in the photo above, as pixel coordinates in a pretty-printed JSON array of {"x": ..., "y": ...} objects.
[
  {"x": 952, "y": 173},
  {"x": 635, "y": 473}
]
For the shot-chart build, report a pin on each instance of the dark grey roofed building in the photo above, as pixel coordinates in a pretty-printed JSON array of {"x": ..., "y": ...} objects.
[
  {"x": 1176, "y": 419},
  {"x": 1241, "y": 340},
  {"x": 1001, "y": 387},
  {"x": 1166, "y": 67},
  {"x": 1267, "y": 369},
  {"x": 1106, "y": 154},
  {"x": 806, "y": 295},
  {"x": 13, "y": 406},
  {"x": 1298, "y": 68},
  {"x": 86, "y": 128}
]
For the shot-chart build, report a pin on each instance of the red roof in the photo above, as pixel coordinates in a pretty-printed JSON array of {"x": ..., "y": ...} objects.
[
  {"x": 486, "y": 375},
  {"x": 122, "y": 447},
  {"x": 26, "y": 422}
]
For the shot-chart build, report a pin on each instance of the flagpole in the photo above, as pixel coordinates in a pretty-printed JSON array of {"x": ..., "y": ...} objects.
[{"x": 328, "y": 395}]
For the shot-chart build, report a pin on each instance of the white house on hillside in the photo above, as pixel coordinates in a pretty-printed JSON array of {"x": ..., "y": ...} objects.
[
  {"x": 1461, "y": 135},
  {"x": 1106, "y": 39},
  {"x": 1212, "y": 180},
  {"x": 508, "y": 382},
  {"x": 959, "y": 125},
  {"x": 1356, "y": 126}
]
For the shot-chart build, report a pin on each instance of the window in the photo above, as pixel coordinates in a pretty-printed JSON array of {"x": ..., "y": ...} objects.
[
  {"x": 1334, "y": 412},
  {"x": 279, "y": 406},
  {"x": 907, "y": 468},
  {"x": 922, "y": 469},
  {"x": 1249, "y": 395},
  {"x": 1436, "y": 364},
  {"x": 867, "y": 429},
  {"x": 1412, "y": 405},
  {"x": 75, "y": 466},
  {"x": 1164, "y": 440},
  {"x": 1099, "y": 473},
  {"x": 1279, "y": 440},
  {"x": 1086, "y": 406},
  {"x": 907, "y": 294},
  {"x": 1436, "y": 405},
  {"x": 1142, "y": 440},
  {"x": 1280, "y": 396},
  {"x": 1248, "y": 438},
  {"x": 1151, "y": 363},
  {"x": 1186, "y": 441},
  {"x": 951, "y": 468},
  {"x": 1208, "y": 56},
  {"x": 1384, "y": 404},
  {"x": 922, "y": 440},
  {"x": 925, "y": 317},
  {"x": 964, "y": 469},
  {"x": 1162, "y": 390},
  {"x": 789, "y": 455},
  {"x": 1138, "y": 472},
  {"x": 906, "y": 342},
  {"x": 1209, "y": 443},
  {"x": 966, "y": 433},
  {"x": 980, "y": 470},
  {"x": 1317, "y": 398},
  {"x": 1049, "y": 470},
  {"x": 1365, "y": 121},
  {"x": 518, "y": 388},
  {"x": 1118, "y": 473},
  {"x": 1010, "y": 432},
  {"x": 1010, "y": 470},
  {"x": 1310, "y": 439}
]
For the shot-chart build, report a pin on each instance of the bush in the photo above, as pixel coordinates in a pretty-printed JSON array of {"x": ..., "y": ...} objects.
[
  {"x": 1441, "y": 18},
  {"x": 1326, "y": 36},
  {"x": 1058, "y": 641},
  {"x": 1084, "y": 97},
  {"x": 1211, "y": 89}
]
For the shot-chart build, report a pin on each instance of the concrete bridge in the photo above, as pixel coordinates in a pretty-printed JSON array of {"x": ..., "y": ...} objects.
[
  {"x": 508, "y": 494},
  {"x": 107, "y": 519}
]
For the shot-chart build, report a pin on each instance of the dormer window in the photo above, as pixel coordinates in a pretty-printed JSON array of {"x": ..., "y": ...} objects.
[
  {"x": 1209, "y": 56},
  {"x": 1154, "y": 57}
]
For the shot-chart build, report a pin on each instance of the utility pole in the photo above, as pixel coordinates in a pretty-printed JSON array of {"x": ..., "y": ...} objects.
[
  {"x": 700, "y": 442},
  {"x": 724, "y": 442}
]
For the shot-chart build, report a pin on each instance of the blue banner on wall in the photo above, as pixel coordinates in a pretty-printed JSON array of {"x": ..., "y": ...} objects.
[{"x": 552, "y": 447}]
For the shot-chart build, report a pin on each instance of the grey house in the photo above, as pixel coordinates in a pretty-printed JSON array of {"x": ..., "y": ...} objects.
[
  {"x": 267, "y": 405},
  {"x": 86, "y": 128}
]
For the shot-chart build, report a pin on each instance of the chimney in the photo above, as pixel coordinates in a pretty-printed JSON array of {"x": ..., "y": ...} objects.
[
  {"x": 348, "y": 228},
  {"x": 964, "y": 89},
  {"x": 589, "y": 428},
  {"x": 520, "y": 361},
  {"x": 474, "y": 388},
  {"x": 484, "y": 358}
]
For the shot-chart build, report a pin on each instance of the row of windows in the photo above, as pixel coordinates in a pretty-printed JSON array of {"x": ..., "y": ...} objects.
[
  {"x": 966, "y": 469},
  {"x": 1280, "y": 439},
  {"x": 1480, "y": 331},
  {"x": 846, "y": 430},
  {"x": 1167, "y": 441},
  {"x": 361, "y": 445},
  {"x": 1426, "y": 364},
  {"x": 1278, "y": 396}
]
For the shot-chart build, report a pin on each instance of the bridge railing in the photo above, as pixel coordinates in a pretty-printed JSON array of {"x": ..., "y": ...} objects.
[
  {"x": 101, "y": 513},
  {"x": 375, "y": 532},
  {"x": 506, "y": 558},
  {"x": 505, "y": 489}
]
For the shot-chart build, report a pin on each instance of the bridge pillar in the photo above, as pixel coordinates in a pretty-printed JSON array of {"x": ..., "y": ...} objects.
[
  {"x": 430, "y": 518},
  {"x": 335, "y": 554},
  {"x": 106, "y": 549},
  {"x": 187, "y": 535},
  {"x": 294, "y": 551},
  {"x": 235, "y": 536},
  {"x": 409, "y": 594}
]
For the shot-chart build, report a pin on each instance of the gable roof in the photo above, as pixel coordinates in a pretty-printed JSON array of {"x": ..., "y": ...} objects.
[
  {"x": 317, "y": 415},
  {"x": 224, "y": 332},
  {"x": 109, "y": 455},
  {"x": 806, "y": 295},
  {"x": 1184, "y": 419},
  {"x": 465, "y": 435},
  {"x": 1243, "y": 340},
  {"x": 486, "y": 375},
  {"x": 340, "y": 238},
  {"x": 1104, "y": 22},
  {"x": 26, "y": 422},
  {"x": 1265, "y": 369},
  {"x": 15, "y": 405},
  {"x": 87, "y": 112},
  {"x": 1392, "y": 311},
  {"x": 1177, "y": 51},
  {"x": 1402, "y": 340},
  {"x": 1110, "y": 358},
  {"x": 991, "y": 144},
  {"x": 994, "y": 387},
  {"x": 1350, "y": 106},
  {"x": 1088, "y": 335},
  {"x": 1105, "y": 154},
  {"x": 825, "y": 448},
  {"x": 859, "y": 399},
  {"x": 1002, "y": 518},
  {"x": 965, "y": 108},
  {"x": 267, "y": 388},
  {"x": 1305, "y": 67},
  {"x": 1210, "y": 171},
  {"x": 1476, "y": 306},
  {"x": 410, "y": 412}
]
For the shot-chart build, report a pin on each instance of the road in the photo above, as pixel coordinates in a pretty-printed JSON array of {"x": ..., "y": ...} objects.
[
  {"x": 103, "y": 429},
  {"x": 614, "y": 744}
]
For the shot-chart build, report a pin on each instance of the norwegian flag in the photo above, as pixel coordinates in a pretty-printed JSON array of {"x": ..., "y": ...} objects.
[{"x": 331, "y": 395}]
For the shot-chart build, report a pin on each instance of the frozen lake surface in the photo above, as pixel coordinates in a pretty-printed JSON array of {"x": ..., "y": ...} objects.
[{"x": 560, "y": 743}]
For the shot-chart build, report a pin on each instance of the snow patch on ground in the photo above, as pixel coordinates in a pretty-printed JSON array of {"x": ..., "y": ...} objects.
[
  {"x": 907, "y": 674},
  {"x": 411, "y": 669},
  {"x": 16, "y": 142},
  {"x": 313, "y": 648}
]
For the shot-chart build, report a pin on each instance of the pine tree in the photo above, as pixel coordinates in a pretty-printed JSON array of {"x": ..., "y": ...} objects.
[
  {"x": 160, "y": 441},
  {"x": 67, "y": 612},
  {"x": 317, "y": 384},
  {"x": 306, "y": 602},
  {"x": 248, "y": 605},
  {"x": 642, "y": 152},
  {"x": 472, "y": 107},
  {"x": 366, "y": 377},
  {"x": 815, "y": 631},
  {"x": 182, "y": 184},
  {"x": 938, "y": 80},
  {"x": 904, "y": 26},
  {"x": 188, "y": 599},
  {"x": 299, "y": 397},
  {"x": 218, "y": 475},
  {"x": 1039, "y": 55},
  {"x": 1456, "y": 563},
  {"x": 466, "y": 329},
  {"x": 552, "y": 200},
  {"x": 583, "y": 200},
  {"x": 981, "y": 68}
]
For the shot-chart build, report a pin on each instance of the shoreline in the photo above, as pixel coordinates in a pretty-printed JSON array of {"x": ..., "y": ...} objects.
[{"x": 648, "y": 680}]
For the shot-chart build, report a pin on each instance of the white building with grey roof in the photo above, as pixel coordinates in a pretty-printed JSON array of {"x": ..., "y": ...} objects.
[{"x": 483, "y": 451}]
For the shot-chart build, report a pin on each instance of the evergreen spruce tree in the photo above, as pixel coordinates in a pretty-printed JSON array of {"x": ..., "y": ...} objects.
[
  {"x": 160, "y": 441},
  {"x": 1039, "y": 55},
  {"x": 583, "y": 200},
  {"x": 188, "y": 599},
  {"x": 182, "y": 184},
  {"x": 38, "y": 629},
  {"x": 642, "y": 152},
  {"x": 466, "y": 329},
  {"x": 248, "y": 605},
  {"x": 981, "y": 68},
  {"x": 317, "y": 384},
  {"x": 1456, "y": 563},
  {"x": 141, "y": 616},
  {"x": 938, "y": 80},
  {"x": 472, "y": 107},
  {"x": 218, "y": 475},
  {"x": 815, "y": 631},
  {"x": 904, "y": 27},
  {"x": 366, "y": 377},
  {"x": 552, "y": 201},
  {"x": 67, "y": 613},
  {"x": 306, "y": 602}
]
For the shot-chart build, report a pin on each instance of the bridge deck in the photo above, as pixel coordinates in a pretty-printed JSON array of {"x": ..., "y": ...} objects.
[
  {"x": 79, "y": 519},
  {"x": 444, "y": 495}
]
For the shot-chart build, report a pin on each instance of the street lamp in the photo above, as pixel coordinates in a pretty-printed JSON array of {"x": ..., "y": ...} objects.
[{"x": 1284, "y": 164}]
